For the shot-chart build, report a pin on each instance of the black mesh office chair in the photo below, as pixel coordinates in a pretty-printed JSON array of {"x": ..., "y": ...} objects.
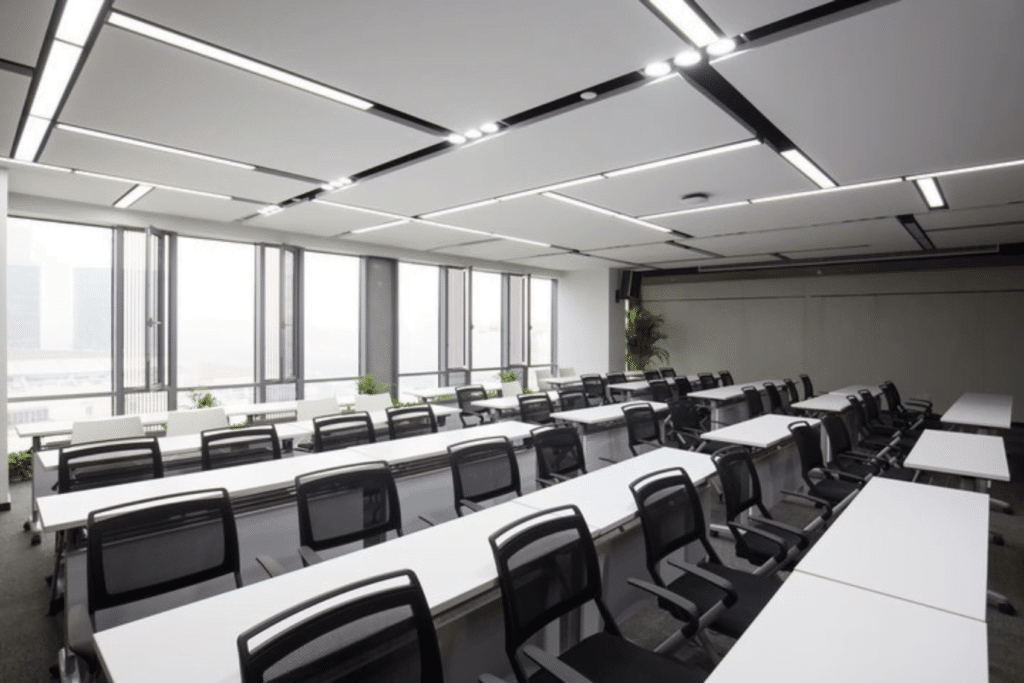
[
  {"x": 596, "y": 389},
  {"x": 334, "y": 432},
  {"x": 660, "y": 390},
  {"x": 572, "y": 398},
  {"x": 376, "y": 630},
  {"x": 794, "y": 397},
  {"x": 726, "y": 377},
  {"x": 837, "y": 485},
  {"x": 859, "y": 462},
  {"x": 686, "y": 423},
  {"x": 682, "y": 387},
  {"x": 106, "y": 463},
  {"x": 642, "y": 426},
  {"x": 615, "y": 378},
  {"x": 231, "y": 447},
  {"x": 808, "y": 387},
  {"x": 774, "y": 399},
  {"x": 152, "y": 547},
  {"x": 763, "y": 541},
  {"x": 727, "y": 599},
  {"x": 754, "y": 406},
  {"x": 410, "y": 421},
  {"x": 547, "y": 568},
  {"x": 559, "y": 454},
  {"x": 535, "y": 408},
  {"x": 667, "y": 373},
  {"x": 651, "y": 374},
  {"x": 919, "y": 414},
  {"x": 707, "y": 380},
  {"x": 868, "y": 437},
  {"x": 483, "y": 470},
  {"x": 466, "y": 395}
]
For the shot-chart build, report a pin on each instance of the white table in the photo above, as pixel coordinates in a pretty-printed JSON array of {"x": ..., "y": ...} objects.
[
  {"x": 629, "y": 388},
  {"x": 825, "y": 403},
  {"x": 816, "y": 630},
  {"x": 602, "y": 431},
  {"x": 404, "y": 451},
  {"x": 764, "y": 431},
  {"x": 972, "y": 456},
  {"x": 854, "y": 390},
  {"x": 503, "y": 404},
  {"x": 435, "y": 393},
  {"x": 992, "y": 411},
  {"x": 564, "y": 381},
  {"x": 728, "y": 404},
  {"x": 924, "y": 544}
]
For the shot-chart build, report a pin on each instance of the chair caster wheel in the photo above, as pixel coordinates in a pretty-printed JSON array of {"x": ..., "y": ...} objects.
[
  {"x": 998, "y": 540},
  {"x": 714, "y": 534},
  {"x": 49, "y": 579},
  {"x": 36, "y": 539},
  {"x": 1007, "y": 608},
  {"x": 26, "y": 526},
  {"x": 1008, "y": 511},
  {"x": 55, "y": 671},
  {"x": 57, "y": 606}
]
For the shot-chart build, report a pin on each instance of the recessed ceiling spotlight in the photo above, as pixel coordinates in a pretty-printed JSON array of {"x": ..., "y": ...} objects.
[
  {"x": 694, "y": 198},
  {"x": 688, "y": 58},
  {"x": 456, "y": 139},
  {"x": 657, "y": 69},
  {"x": 588, "y": 95},
  {"x": 473, "y": 134},
  {"x": 489, "y": 127},
  {"x": 269, "y": 210},
  {"x": 721, "y": 47},
  {"x": 337, "y": 184}
]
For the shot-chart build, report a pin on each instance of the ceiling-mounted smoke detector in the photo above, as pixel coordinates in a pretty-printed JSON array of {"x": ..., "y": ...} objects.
[{"x": 694, "y": 199}]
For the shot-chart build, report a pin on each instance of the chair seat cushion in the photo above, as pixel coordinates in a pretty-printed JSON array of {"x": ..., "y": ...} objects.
[
  {"x": 604, "y": 658},
  {"x": 753, "y": 593},
  {"x": 852, "y": 466},
  {"x": 832, "y": 490}
]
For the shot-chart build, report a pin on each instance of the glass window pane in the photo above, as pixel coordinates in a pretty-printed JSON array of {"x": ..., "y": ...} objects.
[
  {"x": 58, "y": 308},
  {"x": 272, "y": 302},
  {"x": 417, "y": 317},
  {"x": 486, "y": 320},
  {"x": 68, "y": 409},
  {"x": 343, "y": 390},
  {"x": 407, "y": 384},
  {"x": 288, "y": 315},
  {"x": 331, "y": 315},
  {"x": 540, "y": 321},
  {"x": 216, "y": 291}
]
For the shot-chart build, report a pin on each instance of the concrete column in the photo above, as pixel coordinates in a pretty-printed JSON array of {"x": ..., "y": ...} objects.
[
  {"x": 591, "y": 325},
  {"x": 379, "y": 317}
]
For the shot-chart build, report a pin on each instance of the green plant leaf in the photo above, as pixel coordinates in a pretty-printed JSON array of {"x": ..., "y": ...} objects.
[{"x": 643, "y": 332}]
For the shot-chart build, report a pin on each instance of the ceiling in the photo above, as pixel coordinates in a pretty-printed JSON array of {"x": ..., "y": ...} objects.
[{"x": 872, "y": 96}]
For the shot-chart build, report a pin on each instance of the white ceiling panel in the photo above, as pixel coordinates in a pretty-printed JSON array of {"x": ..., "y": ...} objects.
[
  {"x": 828, "y": 207},
  {"x": 990, "y": 215},
  {"x": 73, "y": 150},
  {"x": 458, "y": 63},
  {"x": 728, "y": 261},
  {"x": 645, "y": 253},
  {"x": 553, "y": 222},
  {"x": 317, "y": 219},
  {"x": 70, "y": 186},
  {"x": 984, "y": 188},
  {"x": 415, "y": 236},
  {"x": 13, "y": 90},
  {"x": 910, "y": 87},
  {"x": 976, "y": 237},
  {"x": 570, "y": 262},
  {"x": 729, "y": 177},
  {"x": 882, "y": 235},
  {"x": 737, "y": 16},
  {"x": 653, "y": 122},
  {"x": 137, "y": 87},
  {"x": 23, "y": 29},
  {"x": 830, "y": 253},
  {"x": 193, "y": 206},
  {"x": 498, "y": 250}
]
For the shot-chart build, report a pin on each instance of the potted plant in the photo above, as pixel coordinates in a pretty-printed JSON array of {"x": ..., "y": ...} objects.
[
  {"x": 510, "y": 385},
  {"x": 643, "y": 332}
]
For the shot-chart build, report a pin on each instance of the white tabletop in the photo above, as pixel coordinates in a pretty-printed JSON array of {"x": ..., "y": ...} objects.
[
  {"x": 760, "y": 432},
  {"x": 636, "y": 385},
  {"x": 604, "y": 414},
  {"x": 428, "y": 445},
  {"x": 815, "y": 630},
  {"x": 558, "y": 381},
  {"x": 925, "y": 544},
  {"x": 994, "y": 411},
  {"x": 733, "y": 391},
  {"x": 966, "y": 455},
  {"x": 854, "y": 390},
  {"x": 826, "y": 403},
  {"x": 437, "y": 392},
  {"x": 507, "y": 402},
  {"x": 204, "y": 633},
  {"x": 603, "y": 496},
  {"x": 58, "y": 427}
]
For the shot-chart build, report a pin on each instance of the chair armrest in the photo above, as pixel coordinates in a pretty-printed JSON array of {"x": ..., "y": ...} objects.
[
  {"x": 475, "y": 507},
  {"x": 690, "y": 613},
  {"x": 768, "y": 536},
  {"x": 804, "y": 541},
  {"x": 818, "y": 502},
  {"x": 309, "y": 556},
  {"x": 554, "y": 478},
  {"x": 554, "y": 666},
  {"x": 80, "y": 632},
  {"x": 430, "y": 520},
  {"x": 489, "y": 678},
  {"x": 717, "y": 581},
  {"x": 614, "y": 462},
  {"x": 270, "y": 565},
  {"x": 844, "y": 476}
]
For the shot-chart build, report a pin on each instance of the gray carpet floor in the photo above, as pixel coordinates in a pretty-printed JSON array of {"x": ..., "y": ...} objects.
[{"x": 29, "y": 640}]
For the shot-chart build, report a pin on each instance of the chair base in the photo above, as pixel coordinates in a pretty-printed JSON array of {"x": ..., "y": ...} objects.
[{"x": 1001, "y": 602}]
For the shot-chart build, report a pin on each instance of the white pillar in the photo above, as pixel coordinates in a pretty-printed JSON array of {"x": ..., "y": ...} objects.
[
  {"x": 5, "y": 490},
  {"x": 591, "y": 325}
]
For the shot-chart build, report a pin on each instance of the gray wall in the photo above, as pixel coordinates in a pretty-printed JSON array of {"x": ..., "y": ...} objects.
[{"x": 935, "y": 334}]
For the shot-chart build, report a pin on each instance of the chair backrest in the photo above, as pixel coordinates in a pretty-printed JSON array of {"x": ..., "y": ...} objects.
[
  {"x": 652, "y": 374},
  {"x": 341, "y": 505},
  {"x": 547, "y": 567},
  {"x": 660, "y": 390},
  {"x": 542, "y": 375},
  {"x": 594, "y": 386},
  {"x": 741, "y": 487},
  {"x": 483, "y": 469},
  {"x": 469, "y": 393},
  {"x": 641, "y": 423},
  {"x": 685, "y": 413},
  {"x": 671, "y": 516},
  {"x": 183, "y": 422},
  {"x": 726, "y": 378},
  {"x": 333, "y": 432},
  {"x": 794, "y": 397},
  {"x": 377, "y": 629},
  {"x": 838, "y": 434},
  {"x": 150, "y": 547},
  {"x": 707, "y": 380},
  {"x": 667, "y": 373},
  {"x": 309, "y": 408},
  {"x": 616, "y": 378},
  {"x": 774, "y": 399},
  {"x": 559, "y": 451},
  {"x": 511, "y": 388},
  {"x": 230, "y": 447},
  {"x": 870, "y": 404},
  {"x": 535, "y": 408},
  {"x": 121, "y": 427},
  {"x": 567, "y": 372},
  {"x": 808, "y": 387},
  {"x": 371, "y": 402},
  {"x": 572, "y": 398},
  {"x": 892, "y": 397},
  {"x": 105, "y": 463},
  {"x": 859, "y": 414},
  {"x": 411, "y": 421},
  {"x": 682, "y": 387},
  {"x": 808, "y": 445},
  {"x": 754, "y": 405}
]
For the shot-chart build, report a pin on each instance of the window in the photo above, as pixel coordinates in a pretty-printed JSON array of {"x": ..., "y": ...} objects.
[
  {"x": 331, "y": 328},
  {"x": 418, "y": 327},
  {"x": 486, "y": 346}
]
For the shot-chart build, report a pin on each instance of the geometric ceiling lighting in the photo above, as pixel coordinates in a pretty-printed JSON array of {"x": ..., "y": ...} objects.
[
  {"x": 808, "y": 168},
  {"x": 691, "y": 24},
  {"x": 604, "y": 211},
  {"x": 969, "y": 169},
  {"x": 153, "y": 146},
  {"x": 932, "y": 194},
  {"x": 714, "y": 151},
  {"x": 133, "y": 195},
  {"x": 171, "y": 188},
  {"x": 813, "y": 193}
]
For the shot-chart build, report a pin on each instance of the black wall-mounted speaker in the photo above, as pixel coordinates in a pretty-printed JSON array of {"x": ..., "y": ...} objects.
[{"x": 629, "y": 286}]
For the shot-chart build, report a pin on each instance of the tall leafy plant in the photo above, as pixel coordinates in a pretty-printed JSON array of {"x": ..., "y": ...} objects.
[{"x": 643, "y": 332}]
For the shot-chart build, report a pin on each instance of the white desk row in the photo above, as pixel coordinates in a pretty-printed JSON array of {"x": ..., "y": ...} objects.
[
  {"x": 992, "y": 411},
  {"x": 728, "y": 405}
]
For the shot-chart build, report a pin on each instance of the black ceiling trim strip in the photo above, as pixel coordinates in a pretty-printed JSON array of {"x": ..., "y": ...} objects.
[
  {"x": 403, "y": 160},
  {"x": 287, "y": 174},
  {"x": 716, "y": 88},
  {"x": 16, "y": 68},
  {"x": 809, "y": 20},
  {"x": 633, "y": 78},
  {"x": 911, "y": 225},
  {"x": 387, "y": 112},
  {"x": 697, "y": 250}
]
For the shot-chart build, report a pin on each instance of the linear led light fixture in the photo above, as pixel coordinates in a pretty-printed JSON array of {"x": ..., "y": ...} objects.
[
  {"x": 700, "y": 209},
  {"x": 372, "y": 212},
  {"x": 524, "y": 241},
  {"x": 133, "y": 195},
  {"x": 32, "y": 164},
  {"x": 77, "y": 21},
  {"x": 969, "y": 169},
  {"x": 456, "y": 209},
  {"x": 457, "y": 228},
  {"x": 808, "y": 168},
  {"x": 931, "y": 192},
  {"x": 337, "y": 184},
  {"x": 382, "y": 226},
  {"x": 736, "y": 146},
  {"x": 215, "y": 53},
  {"x": 550, "y": 188},
  {"x": 171, "y": 188},
  {"x": 686, "y": 20},
  {"x": 602, "y": 210},
  {"x": 269, "y": 210},
  {"x": 813, "y": 193},
  {"x": 154, "y": 146}
]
